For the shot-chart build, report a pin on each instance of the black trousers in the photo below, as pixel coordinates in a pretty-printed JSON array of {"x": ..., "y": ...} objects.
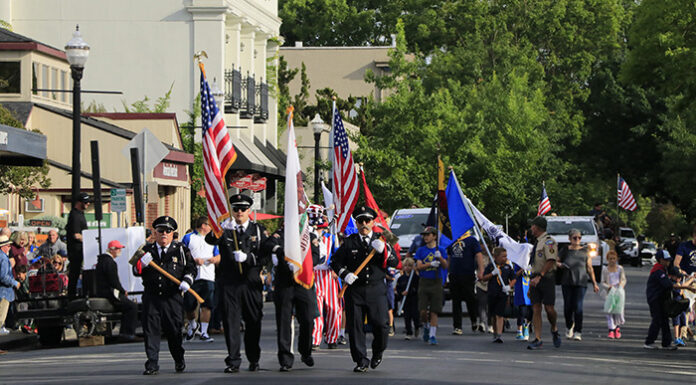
[
  {"x": 304, "y": 301},
  {"x": 162, "y": 314},
  {"x": 74, "y": 269},
  {"x": 462, "y": 289},
  {"x": 411, "y": 315},
  {"x": 241, "y": 301},
  {"x": 370, "y": 300},
  {"x": 659, "y": 322},
  {"x": 129, "y": 314}
]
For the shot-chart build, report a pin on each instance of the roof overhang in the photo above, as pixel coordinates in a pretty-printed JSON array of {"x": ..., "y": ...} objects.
[{"x": 19, "y": 147}]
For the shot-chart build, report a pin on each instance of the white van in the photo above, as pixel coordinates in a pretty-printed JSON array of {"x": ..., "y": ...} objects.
[{"x": 407, "y": 224}]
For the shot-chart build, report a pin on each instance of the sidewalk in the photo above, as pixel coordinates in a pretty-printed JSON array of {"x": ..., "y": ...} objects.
[{"x": 18, "y": 341}]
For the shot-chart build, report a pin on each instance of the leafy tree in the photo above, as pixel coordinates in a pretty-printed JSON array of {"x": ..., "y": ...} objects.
[
  {"x": 188, "y": 129},
  {"x": 21, "y": 180},
  {"x": 143, "y": 105}
]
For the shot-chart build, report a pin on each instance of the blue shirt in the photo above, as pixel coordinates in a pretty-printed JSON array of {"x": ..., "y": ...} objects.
[
  {"x": 427, "y": 255},
  {"x": 688, "y": 252},
  {"x": 462, "y": 257},
  {"x": 7, "y": 281}
]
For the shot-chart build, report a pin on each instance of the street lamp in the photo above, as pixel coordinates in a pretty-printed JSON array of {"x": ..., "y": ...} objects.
[
  {"x": 317, "y": 126},
  {"x": 77, "y": 52}
]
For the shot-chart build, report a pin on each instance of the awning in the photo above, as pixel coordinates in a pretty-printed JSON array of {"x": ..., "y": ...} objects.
[
  {"x": 275, "y": 155},
  {"x": 19, "y": 147},
  {"x": 252, "y": 158}
]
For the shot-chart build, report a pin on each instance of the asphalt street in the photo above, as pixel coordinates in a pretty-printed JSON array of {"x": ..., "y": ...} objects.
[{"x": 467, "y": 359}]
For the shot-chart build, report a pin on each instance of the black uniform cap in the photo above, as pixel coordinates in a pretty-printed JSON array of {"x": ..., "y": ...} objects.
[
  {"x": 364, "y": 211},
  {"x": 84, "y": 198},
  {"x": 539, "y": 222},
  {"x": 165, "y": 221},
  {"x": 241, "y": 200}
]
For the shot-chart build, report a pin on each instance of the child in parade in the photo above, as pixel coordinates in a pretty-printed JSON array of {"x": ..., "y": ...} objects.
[
  {"x": 501, "y": 278},
  {"x": 409, "y": 293},
  {"x": 522, "y": 302},
  {"x": 613, "y": 276}
]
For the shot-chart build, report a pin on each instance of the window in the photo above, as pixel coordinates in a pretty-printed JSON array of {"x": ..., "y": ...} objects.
[
  {"x": 9, "y": 77},
  {"x": 63, "y": 76},
  {"x": 34, "y": 78},
  {"x": 54, "y": 83},
  {"x": 44, "y": 80}
]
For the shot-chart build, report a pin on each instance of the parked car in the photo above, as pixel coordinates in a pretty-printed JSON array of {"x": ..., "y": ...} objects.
[
  {"x": 407, "y": 224},
  {"x": 628, "y": 246}
]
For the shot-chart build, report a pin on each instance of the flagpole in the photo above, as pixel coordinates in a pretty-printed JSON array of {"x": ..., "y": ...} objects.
[{"x": 618, "y": 188}]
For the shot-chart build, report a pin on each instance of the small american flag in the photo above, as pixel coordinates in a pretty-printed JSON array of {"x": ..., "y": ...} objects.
[
  {"x": 345, "y": 179},
  {"x": 218, "y": 156},
  {"x": 625, "y": 198},
  {"x": 544, "y": 203}
]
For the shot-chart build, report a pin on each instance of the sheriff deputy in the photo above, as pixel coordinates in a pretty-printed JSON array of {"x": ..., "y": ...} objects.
[
  {"x": 367, "y": 291},
  {"x": 162, "y": 299}
]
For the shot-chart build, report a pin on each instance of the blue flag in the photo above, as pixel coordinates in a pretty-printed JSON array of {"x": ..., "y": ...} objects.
[{"x": 459, "y": 217}]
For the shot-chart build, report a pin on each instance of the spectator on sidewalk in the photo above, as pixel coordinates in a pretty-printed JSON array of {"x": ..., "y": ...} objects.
[
  {"x": 18, "y": 253},
  {"x": 52, "y": 246},
  {"x": 7, "y": 282}
]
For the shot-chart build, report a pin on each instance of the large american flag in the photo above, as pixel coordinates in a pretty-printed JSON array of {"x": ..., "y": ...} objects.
[
  {"x": 625, "y": 198},
  {"x": 345, "y": 179},
  {"x": 218, "y": 156},
  {"x": 544, "y": 203}
]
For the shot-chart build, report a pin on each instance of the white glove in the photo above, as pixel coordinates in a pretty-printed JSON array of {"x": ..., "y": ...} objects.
[
  {"x": 378, "y": 245},
  {"x": 240, "y": 256},
  {"x": 146, "y": 259},
  {"x": 495, "y": 271},
  {"x": 506, "y": 289},
  {"x": 274, "y": 259},
  {"x": 435, "y": 263},
  {"x": 184, "y": 286},
  {"x": 350, "y": 278}
]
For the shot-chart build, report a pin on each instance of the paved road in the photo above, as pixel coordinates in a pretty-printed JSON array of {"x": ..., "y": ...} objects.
[{"x": 471, "y": 358}]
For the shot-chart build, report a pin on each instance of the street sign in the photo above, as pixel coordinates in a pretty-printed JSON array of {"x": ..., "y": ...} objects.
[
  {"x": 150, "y": 149},
  {"x": 243, "y": 183},
  {"x": 257, "y": 202},
  {"x": 258, "y": 185},
  {"x": 118, "y": 200}
]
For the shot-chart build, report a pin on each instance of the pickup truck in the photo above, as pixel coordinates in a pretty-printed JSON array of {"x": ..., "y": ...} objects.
[{"x": 558, "y": 227}]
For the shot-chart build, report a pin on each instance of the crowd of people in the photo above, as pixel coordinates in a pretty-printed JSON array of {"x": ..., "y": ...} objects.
[{"x": 230, "y": 272}]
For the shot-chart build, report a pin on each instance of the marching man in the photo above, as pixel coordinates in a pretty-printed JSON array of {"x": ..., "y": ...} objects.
[
  {"x": 163, "y": 308},
  {"x": 367, "y": 290},
  {"x": 327, "y": 325}
]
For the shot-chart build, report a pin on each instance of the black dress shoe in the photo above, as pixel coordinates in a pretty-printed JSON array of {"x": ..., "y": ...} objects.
[
  {"x": 285, "y": 368},
  {"x": 150, "y": 372},
  {"x": 360, "y": 369},
  {"x": 254, "y": 367},
  {"x": 374, "y": 362},
  {"x": 180, "y": 366},
  {"x": 232, "y": 369},
  {"x": 308, "y": 360},
  {"x": 333, "y": 346}
]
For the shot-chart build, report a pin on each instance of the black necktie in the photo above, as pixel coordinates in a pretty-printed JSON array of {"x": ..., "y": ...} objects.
[{"x": 365, "y": 242}]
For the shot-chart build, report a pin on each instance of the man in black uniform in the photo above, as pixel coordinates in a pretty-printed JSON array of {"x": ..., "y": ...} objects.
[
  {"x": 289, "y": 294},
  {"x": 163, "y": 302},
  {"x": 240, "y": 282},
  {"x": 367, "y": 291},
  {"x": 73, "y": 229},
  {"x": 109, "y": 287}
]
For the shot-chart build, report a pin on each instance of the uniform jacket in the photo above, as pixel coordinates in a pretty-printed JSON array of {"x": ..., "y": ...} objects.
[
  {"x": 76, "y": 224},
  {"x": 249, "y": 242},
  {"x": 107, "y": 277},
  {"x": 351, "y": 254},
  {"x": 274, "y": 245},
  {"x": 545, "y": 249},
  {"x": 176, "y": 260}
]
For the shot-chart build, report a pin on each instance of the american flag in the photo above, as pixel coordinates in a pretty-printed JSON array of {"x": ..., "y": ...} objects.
[
  {"x": 544, "y": 203},
  {"x": 625, "y": 198},
  {"x": 218, "y": 156},
  {"x": 345, "y": 179}
]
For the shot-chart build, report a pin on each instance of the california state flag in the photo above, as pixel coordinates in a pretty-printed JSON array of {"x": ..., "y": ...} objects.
[{"x": 298, "y": 252}]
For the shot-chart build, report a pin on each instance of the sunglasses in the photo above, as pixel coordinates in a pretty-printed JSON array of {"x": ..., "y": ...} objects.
[
  {"x": 576, "y": 237},
  {"x": 162, "y": 230},
  {"x": 238, "y": 209},
  {"x": 364, "y": 220}
]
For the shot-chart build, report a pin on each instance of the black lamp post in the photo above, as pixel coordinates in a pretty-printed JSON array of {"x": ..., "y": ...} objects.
[
  {"x": 317, "y": 126},
  {"x": 77, "y": 52}
]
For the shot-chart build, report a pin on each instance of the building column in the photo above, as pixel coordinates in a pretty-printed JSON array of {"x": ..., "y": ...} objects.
[
  {"x": 247, "y": 59},
  {"x": 272, "y": 124}
]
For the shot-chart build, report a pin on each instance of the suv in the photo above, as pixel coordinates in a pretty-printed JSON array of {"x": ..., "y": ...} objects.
[
  {"x": 407, "y": 224},
  {"x": 558, "y": 228}
]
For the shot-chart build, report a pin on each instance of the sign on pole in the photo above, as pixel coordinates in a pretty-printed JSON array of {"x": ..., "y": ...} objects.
[{"x": 118, "y": 200}]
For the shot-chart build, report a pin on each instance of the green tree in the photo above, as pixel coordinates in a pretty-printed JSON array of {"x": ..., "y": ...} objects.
[
  {"x": 143, "y": 105},
  {"x": 21, "y": 180},
  {"x": 188, "y": 130}
]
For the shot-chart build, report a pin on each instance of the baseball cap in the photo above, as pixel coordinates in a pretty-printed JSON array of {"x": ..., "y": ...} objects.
[
  {"x": 663, "y": 254},
  {"x": 429, "y": 230},
  {"x": 539, "y": 222},
  {"x": 115, "y": 245}
]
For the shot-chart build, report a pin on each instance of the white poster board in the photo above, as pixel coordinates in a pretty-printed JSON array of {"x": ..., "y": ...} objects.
[{"x": 132, "y": 238}]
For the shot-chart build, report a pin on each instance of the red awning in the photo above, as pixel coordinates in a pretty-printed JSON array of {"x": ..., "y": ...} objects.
[{"x": 261, "y": 216}]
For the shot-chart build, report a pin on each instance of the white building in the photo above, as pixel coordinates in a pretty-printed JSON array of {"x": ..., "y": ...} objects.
[{"x": 142, "y": 47}]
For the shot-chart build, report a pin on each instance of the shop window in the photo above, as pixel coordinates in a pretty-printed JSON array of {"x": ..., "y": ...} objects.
[{"x": 9, "y": 77}]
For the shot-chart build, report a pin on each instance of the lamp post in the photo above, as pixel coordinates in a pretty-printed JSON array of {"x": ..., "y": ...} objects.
[
  {"x": 317, "y": 126},
  {"x": 77, "y": 52}
]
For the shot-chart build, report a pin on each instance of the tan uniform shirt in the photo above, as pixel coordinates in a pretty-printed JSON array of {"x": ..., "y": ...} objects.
[{"x": 546, "y": 248}]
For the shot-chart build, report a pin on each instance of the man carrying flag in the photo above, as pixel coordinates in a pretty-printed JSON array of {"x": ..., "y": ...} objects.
[
  {"x": 291, "y": 255},
  {"x": 366, "y": 294}
]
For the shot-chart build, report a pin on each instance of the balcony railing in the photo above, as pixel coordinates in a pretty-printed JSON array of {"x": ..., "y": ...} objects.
[
  {"x": 244, "y": 96},
  {"x": 249, "y": 98},
  {"x": 233, "y": 90},
  {"x": 262, "y": 109}
]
